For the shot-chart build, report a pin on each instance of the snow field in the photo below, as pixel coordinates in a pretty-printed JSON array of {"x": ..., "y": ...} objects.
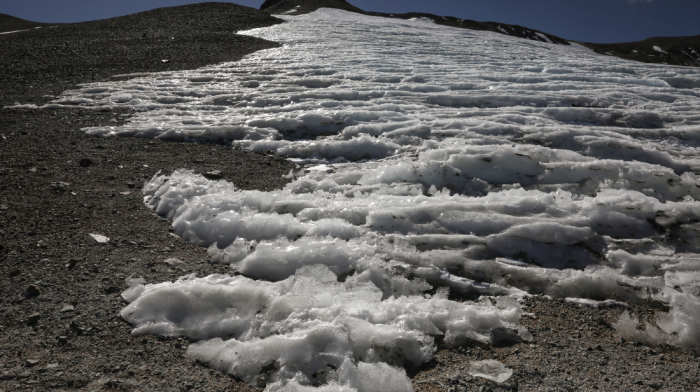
[{"x": 439, "y": 161}]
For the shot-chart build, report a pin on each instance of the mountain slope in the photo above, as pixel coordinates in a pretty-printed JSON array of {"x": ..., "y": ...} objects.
[
  {"x": 669, "y": 50},
  {"x": 48, "y": 61},
  {"x": 501, "y": 28},
  {"x": 298, "y": 7},
  {"x": 11, "y": 23}
]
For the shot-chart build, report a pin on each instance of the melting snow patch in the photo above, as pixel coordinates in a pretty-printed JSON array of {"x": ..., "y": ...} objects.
[
  {"x": 311, "y": 323},
  {"x": 15, "y": 31},
  {"x": 656, "y": 48},
  {"x": 422, "y": 19},
  {"x": 293, "y": 10},
  {"x": 589, "y": 303},
  {"x": 545, "y": 38}
]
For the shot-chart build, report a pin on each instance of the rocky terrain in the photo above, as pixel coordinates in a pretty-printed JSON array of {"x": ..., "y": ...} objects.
[
  {"x": 60, "y": 327},
  {"x": 39, "y": 64},
  {"x": 664, "y": 50},
  {"x": 9, "y": 23}
]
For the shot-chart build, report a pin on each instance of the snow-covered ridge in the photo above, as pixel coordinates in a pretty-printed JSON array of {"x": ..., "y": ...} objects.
[{"x": 464, "y": 162}]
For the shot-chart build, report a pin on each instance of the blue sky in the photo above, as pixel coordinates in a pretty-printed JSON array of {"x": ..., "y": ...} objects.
[{"x": 584, "y": 20}]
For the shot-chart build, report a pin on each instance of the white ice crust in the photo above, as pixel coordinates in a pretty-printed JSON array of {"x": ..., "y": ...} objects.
[{"x": 443, "y": 160}]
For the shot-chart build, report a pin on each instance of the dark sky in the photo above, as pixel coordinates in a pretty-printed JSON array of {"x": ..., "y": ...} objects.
[{"x": 583, "y": 20}]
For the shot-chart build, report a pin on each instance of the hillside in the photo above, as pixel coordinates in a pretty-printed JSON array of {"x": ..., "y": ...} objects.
[
  {"x": 44, "y": 62},
  {"x": 672, "y": 50},
  {"x": 661, "y": 50},
  {"x": 11, "y": 23},
  {"x": 298, "y": 7}
]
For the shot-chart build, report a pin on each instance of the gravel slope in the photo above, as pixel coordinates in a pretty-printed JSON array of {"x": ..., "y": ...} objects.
[
  {"x": 39, "y": 64},
  {"x": 60, "y": 292},
  {"x": 660, "y": 50},
  {"x": 10, "y": 23}
]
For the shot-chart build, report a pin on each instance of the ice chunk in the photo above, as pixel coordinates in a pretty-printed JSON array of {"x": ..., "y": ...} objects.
[
  {"x": 310, "y": 322},
  {"x": 97, "y": 238},
  {"x": 490, "y": 369},
  {"x": 589, "y": 303}
]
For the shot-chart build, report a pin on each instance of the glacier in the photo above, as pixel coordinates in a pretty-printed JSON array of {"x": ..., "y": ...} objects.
[{"x": 443, "y": 174}]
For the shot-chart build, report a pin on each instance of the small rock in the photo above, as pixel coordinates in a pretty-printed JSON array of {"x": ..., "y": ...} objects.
[
  {"x": 62, "y": 339},
  {"x": 75, "y": 326},
  {"x": 34, "y": 318},
  {"x": 96, "y": 239},
  {"x": 59, "y": 186},
  {"x": 67, "y": 308},
  {"x": 131, "y": 184},
  {"x": 491, "y": 369},
  {"x": 52, "y": 366},
  {"x": 213, "y": 175},
  {"x": 31, "y": 362},
  {"x": 85, "y": 162},
  {"x": 33, "y": 290},
  {"x": 14, "y": 273},
  {"x": 173, "y": 261},
  {"x": 111, "y": 289},
  {"x": 7, "y": 375},
  {"x": 71, "y": 263}
]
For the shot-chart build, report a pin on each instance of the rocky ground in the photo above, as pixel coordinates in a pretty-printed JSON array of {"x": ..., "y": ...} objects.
[
  {"x": 574, "y": 349},
  {"x": 661, "y": 50},
  {"x": 60, "y": 290},
  {"x": 10, "y": 23}
]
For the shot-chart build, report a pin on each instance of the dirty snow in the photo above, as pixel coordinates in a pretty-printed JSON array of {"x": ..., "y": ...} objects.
[{"x": 445, "y": 163}]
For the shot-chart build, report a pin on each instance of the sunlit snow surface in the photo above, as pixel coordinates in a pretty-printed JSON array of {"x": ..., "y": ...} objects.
[{"x": 462, "y": 161}]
